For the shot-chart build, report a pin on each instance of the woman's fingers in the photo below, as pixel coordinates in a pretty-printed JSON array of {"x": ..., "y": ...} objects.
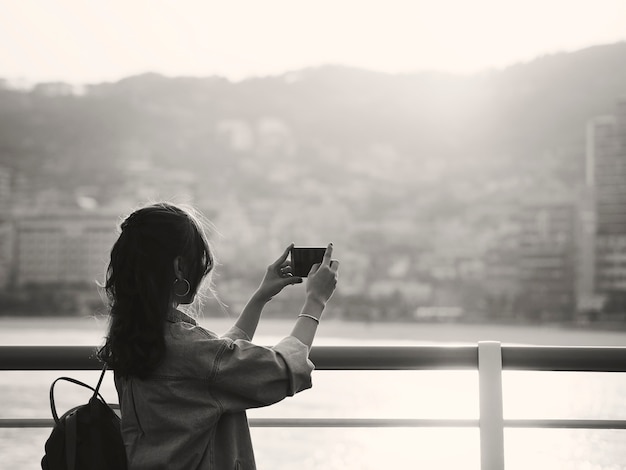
[
  {"x": 292, "y": 280},
  {"x": 314, "y": 269},
  {"x": 327, "y": 261},
  {"x": 282, "y": 258},
  {"x": 328, "y": 255}
]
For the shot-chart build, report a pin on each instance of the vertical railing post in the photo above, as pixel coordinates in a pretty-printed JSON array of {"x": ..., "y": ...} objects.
[{"x": 491, "y": 415}]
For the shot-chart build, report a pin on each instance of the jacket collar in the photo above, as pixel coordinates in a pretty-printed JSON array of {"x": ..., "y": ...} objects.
[{"x": 176, "y": 316}]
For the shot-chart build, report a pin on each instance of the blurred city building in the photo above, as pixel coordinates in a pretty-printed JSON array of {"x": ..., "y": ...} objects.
[
  {"x": 547, "y": 259},
  {"x": 5, "y": 191},
  {"x": 604, "y": 249},
  {"x": 64, "y": 247},
  {"x": 236, "y": 134},
  {"x": 6, "y": 227},
  {"x": 502, "y": 277},
  {"x": 7, "y": 237}
]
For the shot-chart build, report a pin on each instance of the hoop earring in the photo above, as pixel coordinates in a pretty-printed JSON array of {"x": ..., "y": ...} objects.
[{"x": 187, "y": 290}]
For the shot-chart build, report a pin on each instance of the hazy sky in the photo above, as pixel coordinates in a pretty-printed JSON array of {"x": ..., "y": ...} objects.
[{"x": 92, "y": 40}]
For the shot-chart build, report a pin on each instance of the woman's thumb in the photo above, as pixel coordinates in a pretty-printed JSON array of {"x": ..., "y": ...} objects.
[{"x": 293, "y": 280}]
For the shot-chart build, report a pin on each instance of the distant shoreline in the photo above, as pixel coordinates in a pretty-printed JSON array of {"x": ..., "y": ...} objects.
[{"x": 50, "y": 330}]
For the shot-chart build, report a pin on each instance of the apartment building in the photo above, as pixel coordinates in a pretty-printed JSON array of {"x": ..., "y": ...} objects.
[
  {"x": 606, "y": 181},
  {"x": 547, "y": 258},
  {"x": 65, "y": 247}
]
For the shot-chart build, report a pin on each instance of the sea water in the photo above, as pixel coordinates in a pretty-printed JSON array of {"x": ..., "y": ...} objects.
[{"x": 367, "y": 394}]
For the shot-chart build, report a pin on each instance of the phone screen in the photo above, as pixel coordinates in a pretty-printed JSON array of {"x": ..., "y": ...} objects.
[{"x": 303, "y": 259}]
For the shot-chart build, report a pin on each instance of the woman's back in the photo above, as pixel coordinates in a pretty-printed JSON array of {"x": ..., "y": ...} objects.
[{"x": 190, "y": 413}]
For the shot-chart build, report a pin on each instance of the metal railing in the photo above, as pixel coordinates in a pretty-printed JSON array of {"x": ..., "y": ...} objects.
[{"x": 489, "y": 358}]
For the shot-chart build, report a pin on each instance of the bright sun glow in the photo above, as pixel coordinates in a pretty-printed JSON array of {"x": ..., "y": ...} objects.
[{"x": 77, "y": 40}]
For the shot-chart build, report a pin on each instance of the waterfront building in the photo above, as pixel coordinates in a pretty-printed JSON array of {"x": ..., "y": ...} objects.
[
  {"x": 6, "y": 227},
  {"x": 547, "y": 259},
  {"x": 63, "y": 247},
  {"x": 502, "y": 282},
  {"x": 5, "y": 192},
  {"x": 606, "y": 185},
  {"x": 6, "y": 253}
]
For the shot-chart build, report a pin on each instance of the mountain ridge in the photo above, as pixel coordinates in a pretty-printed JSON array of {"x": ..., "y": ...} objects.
[{"x": 511, "y": 116}]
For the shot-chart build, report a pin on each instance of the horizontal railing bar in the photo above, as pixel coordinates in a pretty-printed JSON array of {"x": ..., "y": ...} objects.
[
  {"x": 49, "y": 358},
  {"x": 26, "y": 423},
  {"x": 566, "y": 423},
  {"x": 537, "y": 358},
  {"x": 379, "y": 423},
  {"x": 364, "y": 423},
  {"x": 324, "y": 357},
  {"x": 437, "y": 423},
  {"x": 395, "y": 357},
  {"x": 294, "y": 423},
  {"x": 565, "y": 358}
]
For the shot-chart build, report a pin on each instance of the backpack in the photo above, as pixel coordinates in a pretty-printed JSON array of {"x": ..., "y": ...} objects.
[{"x": 86, "y": 437}]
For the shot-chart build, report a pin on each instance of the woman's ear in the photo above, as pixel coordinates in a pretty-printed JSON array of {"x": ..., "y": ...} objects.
[{"x": 179, "y": 267}]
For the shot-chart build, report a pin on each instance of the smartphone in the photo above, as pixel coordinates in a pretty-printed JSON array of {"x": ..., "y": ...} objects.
[{"x": 304, "y": 257}]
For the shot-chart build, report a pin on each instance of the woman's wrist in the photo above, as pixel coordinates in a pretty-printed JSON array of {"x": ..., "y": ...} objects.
[
  {"x": 308, "y": 321},
  {"x": 313, "y": 307},
  {"x": 310, "y": 317},
  {"x": 259, "y": 298}
]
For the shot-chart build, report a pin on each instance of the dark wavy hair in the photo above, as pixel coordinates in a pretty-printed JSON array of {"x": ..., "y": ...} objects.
[{"x": 140, "y": 281}]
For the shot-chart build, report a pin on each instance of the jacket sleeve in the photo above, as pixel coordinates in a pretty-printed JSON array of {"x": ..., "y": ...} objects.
[
  {"x": 236, "y": 333},
  {"x": 250, "y": 376}
]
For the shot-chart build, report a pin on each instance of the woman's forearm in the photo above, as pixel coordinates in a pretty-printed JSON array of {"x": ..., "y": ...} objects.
[
  {"x": 306, "y": 327},
  {"x": 249, "y": 318}
]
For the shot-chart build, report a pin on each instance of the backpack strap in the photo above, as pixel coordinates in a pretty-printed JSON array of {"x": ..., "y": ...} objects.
[
  {"x": 95, "y": 432},
  {"x": 77, "y": 382},
  {"x": 94, "y": 411},
  {"x": 96, "y": 391},
  {"x": 70, "y": 441}
]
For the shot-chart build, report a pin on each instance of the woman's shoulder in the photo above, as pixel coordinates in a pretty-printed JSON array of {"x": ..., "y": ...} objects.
[
  {"x": 191, "y": 351},
  {"x": 183, "y": 331}
]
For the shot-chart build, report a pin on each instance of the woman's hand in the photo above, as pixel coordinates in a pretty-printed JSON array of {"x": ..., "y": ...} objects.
[
  {"x": 323, "y": 278},
  {"x": 277, "y": 277},
  {"x": 319, "y": 288}
]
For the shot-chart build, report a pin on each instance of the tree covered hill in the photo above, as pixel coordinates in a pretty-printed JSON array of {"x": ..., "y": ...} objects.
[
  {"x": 527, "y": 116},
  {"x": 408, "y": 173}
]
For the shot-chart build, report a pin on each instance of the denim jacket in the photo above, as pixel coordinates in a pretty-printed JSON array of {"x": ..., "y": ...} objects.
[{"x": 190, "y": 413}]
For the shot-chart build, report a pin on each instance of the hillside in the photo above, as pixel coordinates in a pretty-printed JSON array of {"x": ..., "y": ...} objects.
[
  {"x": 406, "y": 172},
  {"x": 519, "y": 113}
]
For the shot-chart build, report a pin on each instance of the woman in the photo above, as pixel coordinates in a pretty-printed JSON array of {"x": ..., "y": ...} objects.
[{"x": 183, "y": 390}]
